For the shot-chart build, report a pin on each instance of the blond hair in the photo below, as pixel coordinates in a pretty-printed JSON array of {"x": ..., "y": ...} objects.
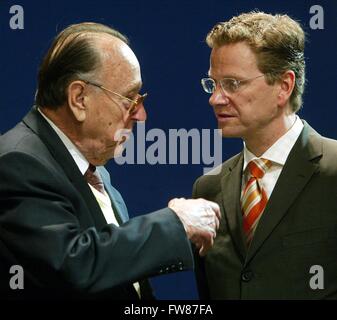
[{"x": 277, "y": 40}]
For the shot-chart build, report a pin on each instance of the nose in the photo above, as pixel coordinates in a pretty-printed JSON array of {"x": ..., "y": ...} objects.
[
  {"x": 139, "y": 114},
  {"x": 218, "y": 97}
]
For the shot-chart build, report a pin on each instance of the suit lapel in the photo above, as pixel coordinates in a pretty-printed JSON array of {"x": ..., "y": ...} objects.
[
  {"x": 40, "y": 126},
  {"x": 231, "y": 190},
  {"x": 295, "y": 175}
]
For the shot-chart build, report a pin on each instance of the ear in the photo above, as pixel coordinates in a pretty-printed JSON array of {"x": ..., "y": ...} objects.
[
  {"x": 287, "y": 84},
  {"x": 76, "y": 99}
]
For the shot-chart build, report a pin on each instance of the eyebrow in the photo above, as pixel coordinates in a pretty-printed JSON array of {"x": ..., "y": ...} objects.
[
  {"x": 235, "y": 77},
  {"x": 231, "y": 76}
]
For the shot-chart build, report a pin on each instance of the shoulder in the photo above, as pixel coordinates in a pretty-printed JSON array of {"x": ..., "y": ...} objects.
[
  {"x": 321, "y": 150},
  {"x": 22, "y": 139},
  {"x": 212, "y": 179},
  {"x": 23, "y": 152},
  {"x": 330, "y": 146},
  {"x": 329, "y": 156}
]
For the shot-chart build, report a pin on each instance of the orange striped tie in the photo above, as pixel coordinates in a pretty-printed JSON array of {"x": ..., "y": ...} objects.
[{"x": 254, "y": 198}]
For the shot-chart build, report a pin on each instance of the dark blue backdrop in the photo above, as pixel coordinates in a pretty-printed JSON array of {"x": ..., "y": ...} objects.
[{"x": 168, "y": 38}]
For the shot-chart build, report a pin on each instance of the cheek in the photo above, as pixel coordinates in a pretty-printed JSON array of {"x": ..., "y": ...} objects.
[
  {"x": 259, "y": 102},
  {"x": 108, "y": 115},
  {"x": 115, "y": 129},
  {"x": 250, "y": 110},
  {"x": 245, "y": 107},
  {"x": 109, "y": 129},
  {"x": 109, "y": 121}
]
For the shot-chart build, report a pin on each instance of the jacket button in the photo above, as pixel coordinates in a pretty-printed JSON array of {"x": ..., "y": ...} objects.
[{"x": 247, "y": 275}]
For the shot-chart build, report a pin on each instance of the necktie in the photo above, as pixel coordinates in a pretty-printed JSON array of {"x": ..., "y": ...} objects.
[
  {"x": 254, "y": 198},
  {"x": 94, "y": 179}
]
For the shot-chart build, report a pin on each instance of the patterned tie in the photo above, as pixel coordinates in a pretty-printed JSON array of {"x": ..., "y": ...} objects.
[
  {"x": 254, "y": 198},
  {"x": 94, "y": 179}
]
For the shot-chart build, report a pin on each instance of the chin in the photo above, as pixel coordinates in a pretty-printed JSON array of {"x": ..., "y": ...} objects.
[
  {"x": 230, "y": 132},
  {"x": 98, "y": 162}
]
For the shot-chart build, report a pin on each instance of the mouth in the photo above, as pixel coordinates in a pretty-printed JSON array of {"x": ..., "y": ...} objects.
[
  {"x": 221, "y": 117},
  {"x": 122, "y": 135},
  {"x": 121, "y": 140}
]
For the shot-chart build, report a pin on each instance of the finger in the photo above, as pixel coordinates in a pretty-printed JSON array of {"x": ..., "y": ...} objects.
[
  {"x": 208, "y": 229},
  {"x": 214, "y": 235},
  {"x": 215, "y": 207},
  {"x": 196, "y": 242},
  {"x": 217, "y": 223},
  {"x": 201, "y": 251},
  {"x": 212, "y": 224},
  {"x": 212, "y": 218},
  {"x": 171, "y": 201},
  {"x": 207, "y": 244}
]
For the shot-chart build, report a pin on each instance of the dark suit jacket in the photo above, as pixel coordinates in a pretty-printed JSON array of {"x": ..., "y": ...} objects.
[
  {"x": 52, "y": 225},
  {"x": 298, "y": 229}
]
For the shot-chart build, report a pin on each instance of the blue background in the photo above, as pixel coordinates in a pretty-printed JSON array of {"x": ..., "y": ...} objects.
[{"x": 168, "y": 38}]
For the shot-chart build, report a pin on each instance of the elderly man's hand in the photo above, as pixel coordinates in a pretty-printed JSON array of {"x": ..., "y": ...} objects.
[{"x": 200, "y": 219}]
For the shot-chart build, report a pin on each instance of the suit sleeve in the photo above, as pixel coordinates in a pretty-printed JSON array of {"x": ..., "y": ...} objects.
[
  {"x": 200, "y": 272},
  {"x": 40, "y": 226}
]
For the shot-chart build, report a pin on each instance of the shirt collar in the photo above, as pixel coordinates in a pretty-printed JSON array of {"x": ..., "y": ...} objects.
[
  {"x": 78, "y": 157},
  {"x": 279, "y": 151}
]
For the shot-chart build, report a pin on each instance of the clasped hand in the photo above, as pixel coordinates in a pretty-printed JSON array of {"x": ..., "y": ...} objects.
[{"x": 200, "y": 219}]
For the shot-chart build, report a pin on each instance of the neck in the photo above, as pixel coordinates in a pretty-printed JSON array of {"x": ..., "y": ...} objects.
[
  {"x": 73, "y": 129},
  {"x": 262, "y": 140},
  {"x": 64, "y": 121}
]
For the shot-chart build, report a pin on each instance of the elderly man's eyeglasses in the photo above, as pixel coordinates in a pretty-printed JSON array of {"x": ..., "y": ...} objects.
[
  {"x": 133, "y": 103},
  {"x": 228, "y": 85}
]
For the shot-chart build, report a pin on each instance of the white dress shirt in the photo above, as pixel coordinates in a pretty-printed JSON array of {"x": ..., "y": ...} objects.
[{"x": 277, "y": 154}]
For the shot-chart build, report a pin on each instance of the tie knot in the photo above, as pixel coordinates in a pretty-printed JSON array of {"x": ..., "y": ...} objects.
[
  {"x": 258, "y": 167},
  {"x": 91, "y": 169},
  {"x": 94, "y": 178}
]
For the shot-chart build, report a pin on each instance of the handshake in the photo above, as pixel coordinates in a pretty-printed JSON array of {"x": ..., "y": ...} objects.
[{"x": 200, "y": 219}]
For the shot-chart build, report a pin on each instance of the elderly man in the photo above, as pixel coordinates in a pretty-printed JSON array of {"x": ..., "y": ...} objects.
[
  {"x": 277, "y": 237},
  {"x": 60, "y": 219}
]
